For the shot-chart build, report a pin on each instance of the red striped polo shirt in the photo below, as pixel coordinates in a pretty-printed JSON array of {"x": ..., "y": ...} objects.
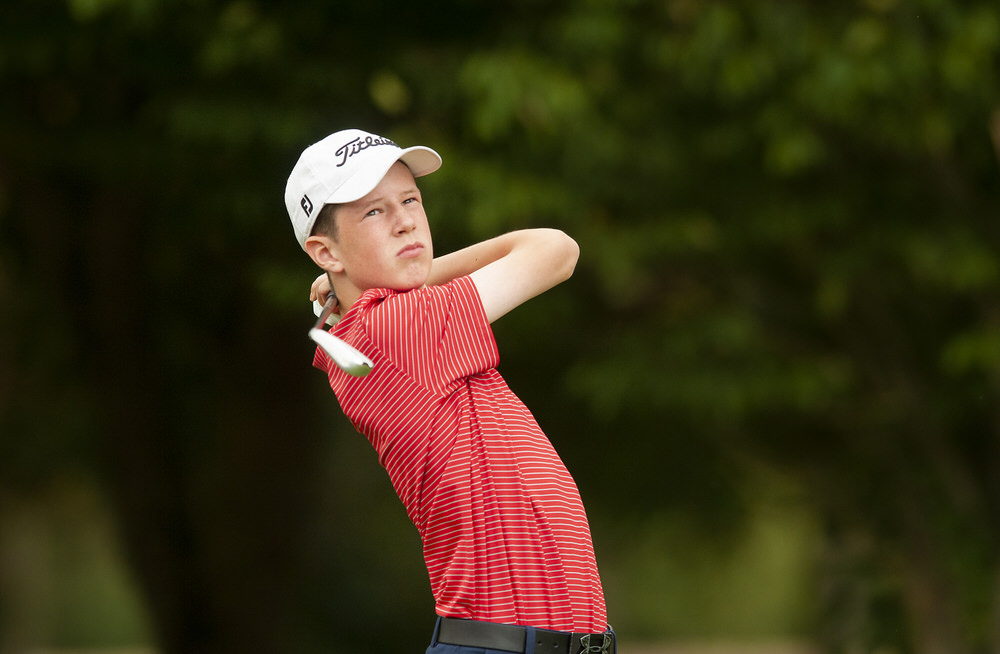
[{"x": 504, "y": 531}]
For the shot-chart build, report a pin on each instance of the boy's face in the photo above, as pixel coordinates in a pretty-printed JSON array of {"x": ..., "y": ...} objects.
[{"x": 383, "y": 239}]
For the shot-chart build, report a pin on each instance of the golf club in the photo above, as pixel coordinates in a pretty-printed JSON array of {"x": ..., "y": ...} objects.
[{"x": 346, "y": 357}]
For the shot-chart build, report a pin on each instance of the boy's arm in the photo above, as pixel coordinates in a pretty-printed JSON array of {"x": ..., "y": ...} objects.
[{"x": 511, "y": 269}]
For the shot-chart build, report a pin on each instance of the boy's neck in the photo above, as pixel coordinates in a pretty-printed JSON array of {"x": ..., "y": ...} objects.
[{"x": 347, "y": 295}]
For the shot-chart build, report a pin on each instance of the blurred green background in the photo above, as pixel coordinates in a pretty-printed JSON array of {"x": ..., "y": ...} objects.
[{"x": 775, "y": 374}]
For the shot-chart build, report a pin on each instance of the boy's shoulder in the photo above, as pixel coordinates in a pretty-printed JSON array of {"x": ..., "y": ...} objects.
[
  {"x": 436, "y": 334},
  {"x": 386, "y": 311},
  {"x": 384, "y": 300}
]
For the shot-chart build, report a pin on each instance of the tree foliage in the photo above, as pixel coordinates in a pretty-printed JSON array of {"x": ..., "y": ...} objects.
[{"x": 788, "y": 218}]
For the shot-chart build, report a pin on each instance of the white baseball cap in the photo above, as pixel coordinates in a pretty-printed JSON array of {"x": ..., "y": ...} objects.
[{"x": 345, "y": 167}]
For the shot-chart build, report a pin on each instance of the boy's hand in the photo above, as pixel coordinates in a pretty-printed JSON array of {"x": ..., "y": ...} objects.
[
  {"x": 320, "y": 289},
  {"x": 318, "y": 293}
]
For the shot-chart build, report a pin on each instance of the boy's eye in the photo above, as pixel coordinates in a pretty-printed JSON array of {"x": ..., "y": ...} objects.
[
  {"x": 371, "y": 213},
  {"x": 409, "y": 200}
]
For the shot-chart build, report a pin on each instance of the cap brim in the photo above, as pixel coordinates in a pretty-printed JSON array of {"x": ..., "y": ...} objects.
[{"x": 419, "y": 159}]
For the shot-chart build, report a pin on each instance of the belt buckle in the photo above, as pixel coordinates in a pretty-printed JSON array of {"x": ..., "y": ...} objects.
[{"x": 588, "y": 647}]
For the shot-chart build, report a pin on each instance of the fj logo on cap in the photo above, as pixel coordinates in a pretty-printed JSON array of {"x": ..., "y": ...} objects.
[{"x": 307, "y": 205}]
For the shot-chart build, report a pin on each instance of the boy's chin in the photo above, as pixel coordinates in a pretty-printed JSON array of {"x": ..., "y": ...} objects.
[
  {"x": 403, "y": 287},
  {"x": 412, "y": 282}
]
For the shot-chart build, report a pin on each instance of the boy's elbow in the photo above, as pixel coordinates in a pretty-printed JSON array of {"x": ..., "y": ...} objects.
[{"x": 568, "y": 254}]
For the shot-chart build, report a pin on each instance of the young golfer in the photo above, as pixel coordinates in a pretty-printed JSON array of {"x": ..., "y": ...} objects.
[{"x": 505, "y": 536}]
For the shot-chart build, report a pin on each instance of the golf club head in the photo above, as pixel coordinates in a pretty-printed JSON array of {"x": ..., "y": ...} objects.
[{"x": 346, "y": 357}]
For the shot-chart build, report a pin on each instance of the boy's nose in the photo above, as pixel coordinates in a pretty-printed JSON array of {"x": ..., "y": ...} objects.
[{"x": 404, "y": 222}]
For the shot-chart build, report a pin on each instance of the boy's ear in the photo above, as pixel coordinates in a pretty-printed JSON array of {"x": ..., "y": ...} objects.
[{"x": 323, "y": 251}]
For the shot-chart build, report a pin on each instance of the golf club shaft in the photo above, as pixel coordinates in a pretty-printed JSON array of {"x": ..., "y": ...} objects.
[
  {"x": 346, "y": 357},
  {"x": 331, "y": 302}
]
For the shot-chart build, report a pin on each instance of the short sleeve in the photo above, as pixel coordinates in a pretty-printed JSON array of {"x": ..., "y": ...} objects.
[{"x": 436, "y": 335}]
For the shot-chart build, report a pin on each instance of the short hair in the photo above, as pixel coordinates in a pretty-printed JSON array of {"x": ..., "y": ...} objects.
[{"x": 326, "y": 222}]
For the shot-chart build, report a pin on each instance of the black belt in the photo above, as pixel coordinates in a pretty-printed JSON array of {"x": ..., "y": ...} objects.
[{"x": 513, "y": 638}]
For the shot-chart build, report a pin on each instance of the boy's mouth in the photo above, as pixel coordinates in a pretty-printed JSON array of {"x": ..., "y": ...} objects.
[{"x": 411, "y": 250}]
